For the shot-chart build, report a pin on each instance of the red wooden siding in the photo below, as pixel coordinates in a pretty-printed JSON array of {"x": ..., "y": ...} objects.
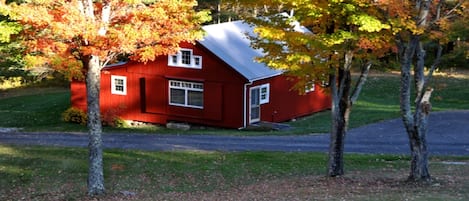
[
  {"x": 78, "y": 95},
  {"x": 147, "y": 97},
  {"x": 285, "y": 103}
]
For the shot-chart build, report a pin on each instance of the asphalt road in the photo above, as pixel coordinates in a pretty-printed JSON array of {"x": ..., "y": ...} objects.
[{"x": 448, "y": 134}]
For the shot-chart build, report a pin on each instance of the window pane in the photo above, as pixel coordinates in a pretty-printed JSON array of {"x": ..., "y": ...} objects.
[
  {"x": 177, "y": 96},
  {"x": 198, "y": 86},
  {"x": 119, "y": 85},
  {"x": 186, "y": 57},
  {"x": 195, "y": 98},
  {"x": 119, "y": 88},
  {"x": 255, "y": 112},
  {"x": 255, "y": 96},
  {"x": 197, "y": 60},
  {"x": 119, "y": 82},
  {"x": 186, "y": 85}
]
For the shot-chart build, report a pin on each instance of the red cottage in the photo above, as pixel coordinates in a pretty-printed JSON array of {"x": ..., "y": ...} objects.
[{"x": 214, "y": 82}]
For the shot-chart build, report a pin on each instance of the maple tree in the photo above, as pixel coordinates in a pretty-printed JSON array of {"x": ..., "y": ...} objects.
[
  {"x": 321, "y": 43},
  {"x": 10, "y": 57},
  {"x": 82, "y": 36},
  {"x": 414, "y": 24}
]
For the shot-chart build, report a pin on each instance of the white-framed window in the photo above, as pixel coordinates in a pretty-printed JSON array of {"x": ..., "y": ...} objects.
[
  {"x": 118, "y": 85},
  {"x": 186, "y": 94},
  {"x": 310, "y": 87},
  {"x": 264, "y": 93},
  {"x": 185, "y": 58}
]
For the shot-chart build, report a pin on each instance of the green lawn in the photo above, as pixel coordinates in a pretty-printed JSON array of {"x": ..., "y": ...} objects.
[
  {"x": 51, "y": 173},
  {"x": 48, "y": 173},
  {"x": 379, "y": 101},
  {"x": 39, "y": 109}
]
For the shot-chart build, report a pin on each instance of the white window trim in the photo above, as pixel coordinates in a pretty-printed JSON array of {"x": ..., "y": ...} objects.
[
  {"x": 113, "y": 85},
  {"x": 265, "y": 94},
  {"x": 179, "y": 63},
  {"x": 186, "y": 101}
]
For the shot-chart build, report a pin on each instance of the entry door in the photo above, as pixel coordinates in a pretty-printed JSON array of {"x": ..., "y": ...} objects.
[{"x": 255, "y": 107}]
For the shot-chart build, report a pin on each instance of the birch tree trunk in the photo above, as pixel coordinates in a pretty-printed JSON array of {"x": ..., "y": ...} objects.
[
  {"x": 416, "y": 122},
  {"x": 95, "y": 146}
]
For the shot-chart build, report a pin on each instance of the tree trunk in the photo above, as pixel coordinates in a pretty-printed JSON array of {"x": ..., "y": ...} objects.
[
  {"x": 418, "y": 143},
  {"x": 95, "y": 173},
  {"x": 341, "y": 107},
  {"x": 418, "y": 148},
  {"x": 336, "y": 147},
  {"x": 415, "y": 123}
]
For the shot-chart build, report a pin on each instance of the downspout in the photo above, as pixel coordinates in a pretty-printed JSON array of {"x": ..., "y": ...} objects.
[{"x": 245, "y": 104}]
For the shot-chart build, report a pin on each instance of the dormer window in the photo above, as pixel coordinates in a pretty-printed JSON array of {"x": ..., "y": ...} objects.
[{"x": 185, "y": 58}]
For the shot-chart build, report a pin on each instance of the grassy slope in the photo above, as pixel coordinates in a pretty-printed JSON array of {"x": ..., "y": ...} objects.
[
  {"x": 379, "y": 101},
  {"x": 35, "y": 109}
]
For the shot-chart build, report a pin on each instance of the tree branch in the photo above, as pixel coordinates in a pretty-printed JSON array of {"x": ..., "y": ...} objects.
[
  {"x": 361, "y": 81},
  {"x": 435, "y": 64},
  {"x": 348, "y": 56}
]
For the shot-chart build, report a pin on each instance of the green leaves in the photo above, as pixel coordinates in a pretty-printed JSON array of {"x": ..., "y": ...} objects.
[
  {"x": 338, "y": 37},
  {"x": 367, "y": 23},
  {"x": 7, "y": 29}
]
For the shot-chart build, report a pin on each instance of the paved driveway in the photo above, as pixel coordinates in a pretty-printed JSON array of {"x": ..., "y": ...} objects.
[{"x": 448, "y": 135}]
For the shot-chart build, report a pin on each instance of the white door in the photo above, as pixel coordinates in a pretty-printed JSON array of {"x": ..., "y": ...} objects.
[{"x": 255, "y": 107}]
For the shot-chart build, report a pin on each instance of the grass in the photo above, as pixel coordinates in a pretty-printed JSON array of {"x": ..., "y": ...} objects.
[
  {"x": 379, "y": 101},
  {"x": 51, "y": 173},
  {"x": 36, "y": 109},
  {"x": 39, "y": 109}
]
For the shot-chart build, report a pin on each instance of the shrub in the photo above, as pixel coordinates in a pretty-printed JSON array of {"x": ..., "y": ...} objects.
[
  {"x": 120, "y": 123},
  {"x": 112, "y": 117},
  {"x": 75, "y": 115}
]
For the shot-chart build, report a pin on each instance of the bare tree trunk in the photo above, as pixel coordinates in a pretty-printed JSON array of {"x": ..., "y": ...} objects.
[
  {"x": 341, "y": 107},
  {"x": 337, "y": 140},
  {"x": 95, "y": 172},
  {"x": 416, "y": 122},
  {"x": 418, "y": 143},
  {"x": 336, "y": 147}
]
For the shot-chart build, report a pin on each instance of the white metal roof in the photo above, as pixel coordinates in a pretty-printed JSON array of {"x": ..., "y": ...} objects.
[{"x": 229, "y": 42}]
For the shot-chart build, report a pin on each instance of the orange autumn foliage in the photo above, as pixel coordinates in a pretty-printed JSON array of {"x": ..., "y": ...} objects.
[{"x": 64, "y": 33}]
